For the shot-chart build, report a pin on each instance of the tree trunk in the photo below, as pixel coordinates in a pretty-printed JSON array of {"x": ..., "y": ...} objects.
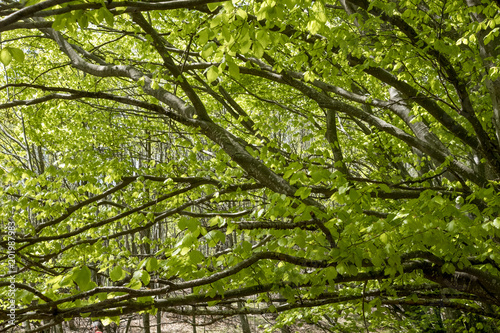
[
  {"x": 129, "y": 321},
  {"x": 146, "y": 324},
  {"x": 193, "y": 323},
  {"x": 158, "y": 322},
  {"x": 72, "y": 325},
  {"x": 111, "y": 328},
  {"x": 245, "y": 326},
  {"x": 58, "y": 328}
]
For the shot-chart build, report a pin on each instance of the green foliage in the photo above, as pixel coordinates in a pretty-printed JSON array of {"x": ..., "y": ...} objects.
[{"x": 334, "y": 165}]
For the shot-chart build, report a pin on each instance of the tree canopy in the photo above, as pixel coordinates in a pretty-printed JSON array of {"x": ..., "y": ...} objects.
[{"x": 300, "y": 157}]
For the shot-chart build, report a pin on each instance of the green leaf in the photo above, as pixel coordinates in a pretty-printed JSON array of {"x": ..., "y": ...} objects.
[
  {"x": 135, "y": 284},
  {"x": 59, "y": 23},
  {"x": 82, "y": 277},
  {"x": 208, "y": 50},
  {"x": 216, "y": 220},
  {"x": 196, "y": 257},
  {"x": 145, "y": 299},
  {"x": 109, "y": 320},
  {"x": 245, "y": 46},
  {"x": 193, "y": 224},
  {"x": 242, "y": 13},
  {"x": 203, "y": 37},
  {"x": 212, "y": 74},
  {"x": 116, "y": 274},
  {"x": 17, "y": 54},
  {"x": 152, "y": 264},
  {"x": 258, "y": 49},
  {"x": 383, "y": 238},
  {"x": 185, "y": 250},
  {"x": 102, "y": 296},
  {"x": 83, "y": 21},
  {"x": 313, "y": 26},
  {"x": 213, "y": 6},
  {"x": 448, "y": 268},
  {"x": 183, "y": 222},
  {"x": 145, "y": 278},
  {"x": 247, "y": 247},
  {"x": 25, "y": 296},
  {"x": 319, "y": 175},
  {"x": 303, "y": 192},
  {"x": 234, "y": 70},
  {"x": 263, "y": 37},
  {"x": 215, "y": 236},
  {"x": 5, "y": 56},
  {"x": 108, "y": 16}
]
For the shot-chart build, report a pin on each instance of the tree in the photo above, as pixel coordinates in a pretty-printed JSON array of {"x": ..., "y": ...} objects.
[{"x": 315, "y": 159}]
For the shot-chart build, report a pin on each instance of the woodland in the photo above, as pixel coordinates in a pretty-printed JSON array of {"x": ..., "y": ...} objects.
[{"x": 334, "y": 163}]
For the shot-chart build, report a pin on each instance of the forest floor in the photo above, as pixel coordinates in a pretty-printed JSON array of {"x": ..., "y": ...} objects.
[
  {"x": 173, "y": 324},
  {"x": 177, "y": 324}
]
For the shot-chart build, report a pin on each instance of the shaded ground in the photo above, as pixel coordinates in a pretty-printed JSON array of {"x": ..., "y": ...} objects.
[
  {"x": 177, "y": 324},
  {"x": 171, "y": 324}
]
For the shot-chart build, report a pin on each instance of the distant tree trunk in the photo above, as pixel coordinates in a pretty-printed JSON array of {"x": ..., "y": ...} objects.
[
  {"x": 194, "y": 316},
  {"x": 45, "y": 330},
  {"x": 40, "y": 157},
  {"x": 145, "y": 322},
  {"x": 134, "y": 246},
  {"x": 129, "y": 321},
  {"x": 245, "y": 326},
  {"x": 158, "y": 322},
  {"x": 127, "y": 245},
  {"x": 111, "y": 328},
  {"x": 72, "y": 325},
  {"x": 58, "y": 328},
  {"x": 193, "y": 323}
]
